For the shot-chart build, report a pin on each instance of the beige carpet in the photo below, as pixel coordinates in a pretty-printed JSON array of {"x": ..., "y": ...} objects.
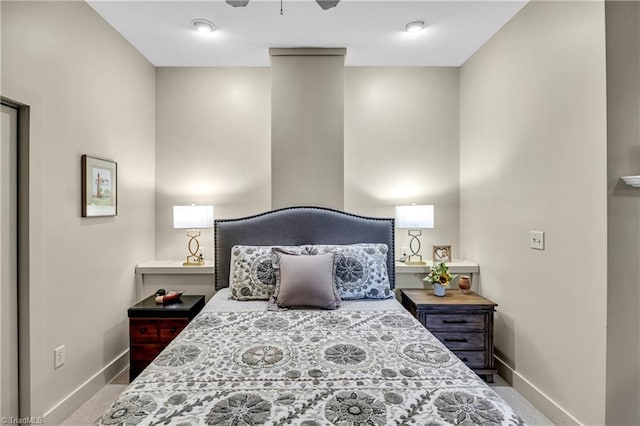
[
  {"x": 89, "y": 412},
  {"x": 527, "y": 412},
  {"x": 100, "y": 402}
]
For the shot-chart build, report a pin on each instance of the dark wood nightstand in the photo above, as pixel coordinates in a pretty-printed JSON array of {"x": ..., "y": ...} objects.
[
  {"x": 153, "y": 326},
  {"x": 463, "y": 322}
]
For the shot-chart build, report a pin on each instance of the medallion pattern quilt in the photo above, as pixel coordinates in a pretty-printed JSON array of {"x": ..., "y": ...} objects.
[{"x": 307, "y": 368}]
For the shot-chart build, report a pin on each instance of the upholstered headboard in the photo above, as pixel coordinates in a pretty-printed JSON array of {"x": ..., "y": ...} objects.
[{"x": 299, "y": 226}]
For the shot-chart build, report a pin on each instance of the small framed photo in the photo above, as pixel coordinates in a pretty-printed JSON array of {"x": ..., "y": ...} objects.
[
  {"x": 99, "y": 187},
  {"x": 441, "y": 254}
]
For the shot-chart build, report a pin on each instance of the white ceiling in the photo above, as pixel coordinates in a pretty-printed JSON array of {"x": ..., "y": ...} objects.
[{"x": 372, "y": 31}]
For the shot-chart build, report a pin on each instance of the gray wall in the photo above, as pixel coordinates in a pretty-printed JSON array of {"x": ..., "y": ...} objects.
[
  {"x": 90, "y": 92},
  {"x": 533, "y": 157},
  {"x": 212, "y": 147},
  {"x": 307, "y": 128},
  {"x": 402, "y": 146},
  {"x": 623, "y": 159}
]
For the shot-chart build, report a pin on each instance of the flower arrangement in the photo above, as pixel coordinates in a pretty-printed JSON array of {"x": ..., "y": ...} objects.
[{"x": 440, "y": 275}]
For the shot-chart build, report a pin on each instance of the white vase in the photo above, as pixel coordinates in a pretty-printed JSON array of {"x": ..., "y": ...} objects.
[{"x": 439, "y": 289}]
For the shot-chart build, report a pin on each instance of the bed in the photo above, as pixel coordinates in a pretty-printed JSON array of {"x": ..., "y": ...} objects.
[{"x": 369, "y": 362}]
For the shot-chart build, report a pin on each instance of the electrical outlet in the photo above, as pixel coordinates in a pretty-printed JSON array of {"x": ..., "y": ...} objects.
[
  {"x": 58, "y": 357},
  {"x": 536, "y": 240}
]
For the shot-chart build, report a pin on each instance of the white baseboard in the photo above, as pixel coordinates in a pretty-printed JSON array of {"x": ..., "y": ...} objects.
[
  {"x": 539, "y": 399},
  {"x": 70, "y": 403}
]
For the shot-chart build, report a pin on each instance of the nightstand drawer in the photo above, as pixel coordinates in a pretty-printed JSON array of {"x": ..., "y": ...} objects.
[
  {"x": 454, "y": 322},
  {"x": 461, "y": 341},
  {"x": 169, "y": 329},
  {"x": 473, "y": 359},
  {"x": 142, "y": 330},
  {"x": 145, "y": 352}
]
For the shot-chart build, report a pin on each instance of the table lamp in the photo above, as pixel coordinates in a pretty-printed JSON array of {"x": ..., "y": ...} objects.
[
  {"x": 193, "y": 218},
  {"x": 414, "y": 218}
]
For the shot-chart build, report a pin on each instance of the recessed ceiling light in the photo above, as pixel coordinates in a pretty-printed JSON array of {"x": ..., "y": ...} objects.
[
  {"x": 238, "y": 3},
  {"x": 203, "y": 26},
  {"x": 415, "y": 26}
]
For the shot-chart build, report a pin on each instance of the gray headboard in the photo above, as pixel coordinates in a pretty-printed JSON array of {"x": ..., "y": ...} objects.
[{"x": 299, "y": 226}]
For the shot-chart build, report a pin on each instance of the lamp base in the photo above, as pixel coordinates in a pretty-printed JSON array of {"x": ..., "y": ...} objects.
[
  {"x": 414, "y": 234},
  {"x": 194, "y": 261},
  {"x": 415, "y": 255}
]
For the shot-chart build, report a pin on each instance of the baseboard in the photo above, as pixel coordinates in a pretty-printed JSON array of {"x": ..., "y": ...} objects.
[
  {"x": 539, "y": 399},
  {"x": 85, "y": 391}
]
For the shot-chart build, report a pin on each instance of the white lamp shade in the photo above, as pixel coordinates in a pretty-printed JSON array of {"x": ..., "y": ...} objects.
[
  {"x": 414, "y": 217},
  {"x": 192, "y": 217}
]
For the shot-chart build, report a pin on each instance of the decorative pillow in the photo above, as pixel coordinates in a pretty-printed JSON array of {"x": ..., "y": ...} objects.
[
  {"x": 305, "y": 281},
  {"x": 252, "y": 275},
  {"x": 360, "y": 270}
]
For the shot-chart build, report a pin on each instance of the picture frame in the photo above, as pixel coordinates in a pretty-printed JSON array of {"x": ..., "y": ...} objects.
[
  {"x": 441, "y": 254},
  {"x": 99, "y": 187}
]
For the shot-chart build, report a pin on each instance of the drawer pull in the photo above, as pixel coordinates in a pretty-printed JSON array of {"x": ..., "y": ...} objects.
[
  {"x": 448, "y": 339},
  {"x": 465, "y": 359},
  {"x": 143, "y": 330},
  {"x": 454, "y": 321},
  {"x": 172, "y": 329}
]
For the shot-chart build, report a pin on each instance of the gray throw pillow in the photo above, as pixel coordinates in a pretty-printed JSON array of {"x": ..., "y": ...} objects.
[{"x": 305, "y": 281}]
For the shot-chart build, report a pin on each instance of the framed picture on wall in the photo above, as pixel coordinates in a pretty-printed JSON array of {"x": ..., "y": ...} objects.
[
  {"x": 441, "y": 254},
  {"x": 99, "y": 187}
]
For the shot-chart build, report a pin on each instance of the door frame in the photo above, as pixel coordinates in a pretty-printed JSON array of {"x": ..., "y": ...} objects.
[{"x": 24, "y": 346}]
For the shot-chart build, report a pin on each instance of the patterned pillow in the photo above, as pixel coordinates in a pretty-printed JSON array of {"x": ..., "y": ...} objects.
[
  {"x": 252, "y": 275},
  {"x": 360, "y": 270}
]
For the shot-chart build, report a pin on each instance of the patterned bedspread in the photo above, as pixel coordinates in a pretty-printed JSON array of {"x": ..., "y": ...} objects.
[{"x": 307, "y": 368}]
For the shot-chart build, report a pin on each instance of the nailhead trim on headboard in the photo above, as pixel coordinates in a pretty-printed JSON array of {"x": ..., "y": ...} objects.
[{"x": 303, "y": 209}]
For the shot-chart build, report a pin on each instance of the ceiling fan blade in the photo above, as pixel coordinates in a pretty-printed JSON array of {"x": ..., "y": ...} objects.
[
  {"x": 238, "y": 3},
  {"x": 327, "y": 4}
]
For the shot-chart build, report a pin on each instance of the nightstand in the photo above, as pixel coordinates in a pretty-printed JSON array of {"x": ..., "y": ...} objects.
[
  {"x": 463, "y": 322},
  {"x": 153, "y": 326}
]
